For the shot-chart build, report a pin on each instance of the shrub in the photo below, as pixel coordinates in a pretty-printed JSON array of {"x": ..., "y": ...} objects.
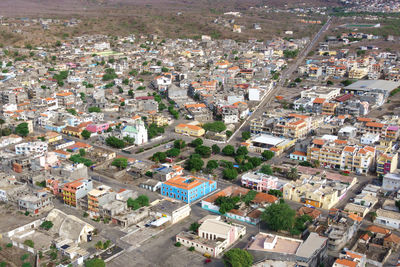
[
  {"x": 29, "y": 243},
  {"x": 191, "y": 249},
  {"x": 178, "y": 244}
]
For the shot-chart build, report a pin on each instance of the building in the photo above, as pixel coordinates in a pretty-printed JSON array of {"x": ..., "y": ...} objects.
[
  {"x": 388, "y": 218},
  {"x": 308, "y": 253},
  {"x": 171, "y": 211},
  {"x": 73, "y": 191},
  {"x": 262, "y": 142},
  {"x": 350, "y": 259},
  {"x": 386, "y": 163},
  {"x": 157, "y": 119},
  {"x": 187, "y": 189},
  {"x": 248, "y": 214},
  {"x": 37, "y": 147},
  {"x": 214, "y": 237},
  {"x": 166, "y": 172},
  {"x": 97, "y": 128},
  {"x": 97, "y": 198},
  {"x": 363, "y": 86},
  {"x": 259, "y": 181},
  {"x": 391, "y": 182},
  {"x": 188, "y": 129},
  {"x": 317, "y": 190},
  {"x": 35, "y": 203},
  {"x": 137, "y": 131}
]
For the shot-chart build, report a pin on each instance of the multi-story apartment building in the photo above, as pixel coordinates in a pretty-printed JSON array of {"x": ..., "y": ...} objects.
[
  {"x": 386, "y": 163},
  {"x": 31, "y": 148},
  {"x": 339, "y": 155},
  {"x": 157, "y": 119},
  {"x": 187, "y": 189},
  {"x": 73, "y": 191},
  {"x": 97, "y": 198}
]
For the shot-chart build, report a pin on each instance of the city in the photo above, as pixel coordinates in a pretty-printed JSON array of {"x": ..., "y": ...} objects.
[{"x": 249, "y": 143}]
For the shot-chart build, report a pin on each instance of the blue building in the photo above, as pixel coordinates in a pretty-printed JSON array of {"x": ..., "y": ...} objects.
[{"x": 187, "y": 189}]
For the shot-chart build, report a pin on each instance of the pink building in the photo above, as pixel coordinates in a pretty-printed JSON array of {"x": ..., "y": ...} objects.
[
  {"x": 95, "y": 128},
  {"x": 259, "y": 181}
]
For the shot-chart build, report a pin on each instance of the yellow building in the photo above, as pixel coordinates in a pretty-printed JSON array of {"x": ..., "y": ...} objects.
[
  {"x": 72, "y": 131},
  {"x": 157, "y": 119},
  {"x": 192, "y": 130},
  {"x": 52, "y": 137},
  {"x": 317, "y": 191},
  {"x": 358, "y": 73},
  {"x": 327, "y": 53},
  {"x": 386, "y": 163}
]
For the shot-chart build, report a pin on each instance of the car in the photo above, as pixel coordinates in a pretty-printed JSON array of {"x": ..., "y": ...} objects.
[
  {"x": 207, "y": 261},
  {"x": 351, "y": 199},
  {"x": 309, "y": 206}
]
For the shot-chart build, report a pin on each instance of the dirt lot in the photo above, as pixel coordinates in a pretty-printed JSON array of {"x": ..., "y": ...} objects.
[
  {"x": 11, "y": 218},
  {"x": 14, "y": 257}
]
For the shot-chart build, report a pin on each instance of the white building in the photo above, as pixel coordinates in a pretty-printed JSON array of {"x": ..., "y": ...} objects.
[
  {"x": 391, "y": 182},
  {"x": 37, "y": 147},
  {"x": 388, "y": 218},
  {"x": 137, "y": 131},
  {"x": 321, "y": 92},
  {"x": 369, "y": 138},
  {"x": 102, "y": 46}
]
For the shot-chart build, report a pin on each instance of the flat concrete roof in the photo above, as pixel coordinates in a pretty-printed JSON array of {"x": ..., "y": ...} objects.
[
  {"x": 268, "y": 139},
  {"x": 367, "y": 85},
  {"x": 312, "y": 243}
]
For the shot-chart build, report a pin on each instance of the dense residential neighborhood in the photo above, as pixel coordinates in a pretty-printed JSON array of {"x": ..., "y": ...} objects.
[{"x": 155, "y": 151}]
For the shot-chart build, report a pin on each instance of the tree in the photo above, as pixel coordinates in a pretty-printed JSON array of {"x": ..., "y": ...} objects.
[
  {"x": 96, "y": 262},
  {"x": 292, "y": 174},
  {"x": 216, "y": 126},
  {"x": 194, "y": 163},
  {"x": 29, "y": 243},
  {"x": 279, "y": 216},
  {"x": 397, "y": 203},
  {"x": 228, "y": 133},
  {"x": 196, "y": 142},
  {"x": 274, "y": 192},
  {"x": 215, "y": 149},
  {"x": 115, "y": 142},
  {"x": 228, "y": 150},
  {"x": 1, "y": 124},
  {"x": 173, "y": 152},
  {"x": 179, "y": 144},
  {"x": 47, "y": 225},
  {"x": 82, "y": 152},
  {"x": 229, "y": 174},
  {"x": 267, "y": 154},
  {"x": 159, "y": 156},
  {"x": 22, "y": 129},
  {"x": 143, "y": 200},
  {"x": 204, "y": 151},
  {"x": 129, "y": 140},
  {"x": 86, "y": 134},
  {"x": 242, "y": 150},
  {"x": 94, "y": 109},
  {"x": 255, "y": 161},
  {"x": 266, "y": 169},
  {"x": 237, "y": 257},
  {"x": 194, "y": 227},
  {"x": 245, "y": 135},
  {"x": 212, "y": 164},
  {"x": 120, "y": 163}
]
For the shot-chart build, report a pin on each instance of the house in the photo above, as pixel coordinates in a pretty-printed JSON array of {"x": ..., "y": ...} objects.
[
  {"x": 391, "y": 182},
  {"x": 213, "y": 238},
  {"x": 137, "y": 131},
  {"x": 166, "y": 172},
  {"x": 350, "y": 259},
  {"x": 386, "y": 163},
  {"x": 192, "y": 130},
  {"x": 187, "y": 189},
  {"x": 150, "y": 184},
  {"x": 259, "y": 181},
  {"x": 298, "y": 155},
  {"x": 36, "y": 203},
  {"x": 248, "y": 214},
  {"x": 388, "y": 218},
  {"x": 75, "y": 190},
  {"x": 38, "y": 148},
  {"x": 97, "y": 128},
  {"x": 168, "y": 210},
  {"x": 293, "y": 252}
]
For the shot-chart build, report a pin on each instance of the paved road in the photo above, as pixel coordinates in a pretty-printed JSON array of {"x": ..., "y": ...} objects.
[{"x": 286, "y": 74}]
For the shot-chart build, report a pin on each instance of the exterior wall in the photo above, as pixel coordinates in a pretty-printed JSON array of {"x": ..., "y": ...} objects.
[
  {"x": 188, "y": 196},
  {"x": 390, "y": 222},
  {"x": 180, "y": 214}
]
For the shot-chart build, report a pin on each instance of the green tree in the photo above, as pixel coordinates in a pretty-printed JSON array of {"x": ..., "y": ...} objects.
[
  {"x": 82, "y": 152},
  {"x": 179, "y": 144},
  {"x": 212, "y": 164},
  {"x": 22, "y": 129},
  {"x": 72, "y": 111},
  {"x": 292, "y": 174},
  {"x": 228, "y": 133},
  {"x": 215, "y": 149},
  {"x": 397, "y": 203},
  {"x": 86, "y": 134},
  {"x": 96, "y": 262},
  {"x": 275, "y": 192},
  {"x": 228, "y": 150},
  {"x": 245, "y": 135},
  {"x": 120, "y": 163},
  {"x": 194, "y": 163},
  {"x": 29, "y": 243},
  {"x": 173, "y": 152},
  {"x": 237, "y": 257},
  {"x": 204, "y": 151},
  {"x": 196, "y": 142},
  {"x": 143, "y": 200},
  {"x": 216, "y": 126},
  {"x": 229, "y": 174},
  {"x": 159, "y": 156},
  {"x": 47, "y": 225},
  {"x": 279, "y": 216},
  {"x": 255, "y": 161},
  {"x": 242, "y": 150},
  {"x": 266, "y": 169},
  {"x": 267, "y": 154},
  {"x": 115, "y": 142},
  {"x": 94, "y": 109},
  {"x": 194, "y": 227}
]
